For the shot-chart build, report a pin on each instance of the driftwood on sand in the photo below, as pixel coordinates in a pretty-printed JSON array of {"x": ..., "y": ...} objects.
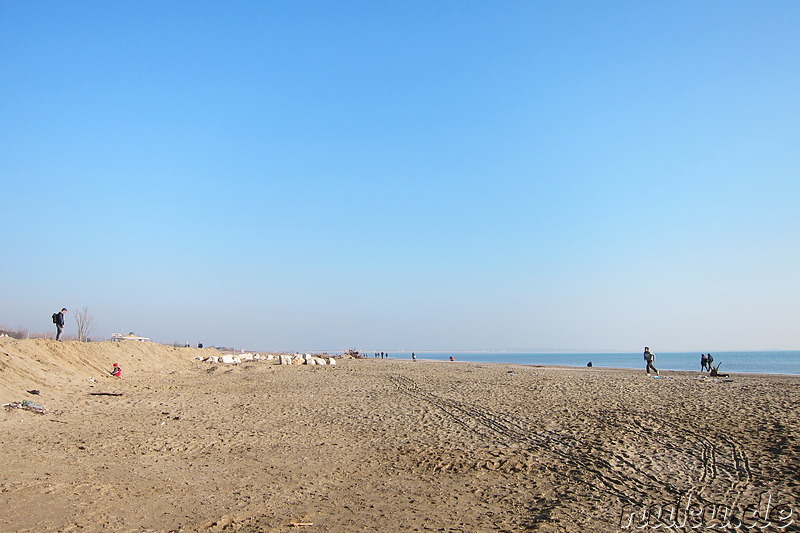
[{"x": 715, "y": 372}]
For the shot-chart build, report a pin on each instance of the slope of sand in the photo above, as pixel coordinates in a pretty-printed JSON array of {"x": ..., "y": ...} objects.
[{"x": 377, "y": 445}]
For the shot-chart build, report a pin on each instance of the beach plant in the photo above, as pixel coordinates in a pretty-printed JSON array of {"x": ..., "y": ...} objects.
[{"x": 85, "y": 324}]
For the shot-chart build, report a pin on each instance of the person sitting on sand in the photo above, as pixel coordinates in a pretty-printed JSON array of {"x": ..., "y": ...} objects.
[
  {"x": 116, "y": 371},
  {"x": 452, "y": 358},
  {"x": 650, "y": 358}
]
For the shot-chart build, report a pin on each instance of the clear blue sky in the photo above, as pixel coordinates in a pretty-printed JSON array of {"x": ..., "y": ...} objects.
[{"x": 404, "y": 175}]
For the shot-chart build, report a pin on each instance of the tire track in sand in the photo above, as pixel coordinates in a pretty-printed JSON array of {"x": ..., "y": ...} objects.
[
  {"x": 720, "y": 459},
  {"x": 569, "y": 450}
]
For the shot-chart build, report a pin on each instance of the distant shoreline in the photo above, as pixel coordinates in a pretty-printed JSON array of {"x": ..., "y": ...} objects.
[
  {"x": 598, "y": 368},
  {"x": 784, "y": 362}
]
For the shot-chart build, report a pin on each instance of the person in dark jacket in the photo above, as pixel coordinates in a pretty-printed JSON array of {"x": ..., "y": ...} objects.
[
  {"x": 60, "y": 320},
  {"x": 649, "y": 358}
]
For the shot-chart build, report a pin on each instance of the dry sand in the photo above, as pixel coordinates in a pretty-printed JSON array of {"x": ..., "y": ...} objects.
[{"x": 377, "y": 445}]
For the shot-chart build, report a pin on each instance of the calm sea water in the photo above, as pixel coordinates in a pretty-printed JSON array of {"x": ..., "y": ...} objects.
[{"x": 777, "y": 362}]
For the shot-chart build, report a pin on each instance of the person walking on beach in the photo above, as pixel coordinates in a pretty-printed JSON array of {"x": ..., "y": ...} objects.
[
  {"x": 703, "y": 362},
  {"x": 649, "y": 358},
  {"x": 709, "y": 360},
  {"x": 59, "y": 319}
]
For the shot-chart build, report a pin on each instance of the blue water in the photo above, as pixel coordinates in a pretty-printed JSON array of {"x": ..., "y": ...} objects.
[{"x": 776, "y": 362}]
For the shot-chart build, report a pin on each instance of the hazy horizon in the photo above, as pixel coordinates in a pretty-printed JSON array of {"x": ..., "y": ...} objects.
[{"x": 458, "y": 176}]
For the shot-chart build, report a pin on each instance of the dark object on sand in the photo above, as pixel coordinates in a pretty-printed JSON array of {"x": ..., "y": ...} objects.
[
  {"x": 105, "y": 394},
  {"x": 589, "y": 364},
  {"x": 34, "y": 391},
  {"x": 28, "y": 406},
  {"x": 715, "y": 372}
]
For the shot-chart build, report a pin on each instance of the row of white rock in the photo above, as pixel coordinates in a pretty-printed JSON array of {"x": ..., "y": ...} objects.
[
  {"x": 306, "y": 359},
  {"x": 296, "y": 359}
]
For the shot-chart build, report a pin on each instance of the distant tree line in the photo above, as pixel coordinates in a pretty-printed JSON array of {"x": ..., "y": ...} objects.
[
  {"x": 18, "y": 333},
  {"x": 225, "y": 349}
]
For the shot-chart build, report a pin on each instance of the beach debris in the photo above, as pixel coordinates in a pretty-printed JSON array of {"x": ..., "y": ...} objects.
[
  {"x": 27, "y": 406},
  {"x": 301, "y": 524},
  {"x": 715, "y": 372},
  {"x": 707, "y": 379},
  {"x": 34, "y": 391}
]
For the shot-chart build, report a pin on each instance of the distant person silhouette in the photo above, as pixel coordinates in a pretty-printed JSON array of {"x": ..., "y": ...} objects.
[
  {"x": 649, "y": 358},
  {"x": 703, "y": 362},
  {"x": 59, "y": 319}
]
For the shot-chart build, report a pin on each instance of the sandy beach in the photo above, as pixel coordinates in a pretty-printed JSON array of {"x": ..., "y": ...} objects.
[{"x": 383, "y": 445}]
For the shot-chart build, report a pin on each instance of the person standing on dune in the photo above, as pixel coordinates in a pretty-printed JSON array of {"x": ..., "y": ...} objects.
[{"x": 59, "y": 319}]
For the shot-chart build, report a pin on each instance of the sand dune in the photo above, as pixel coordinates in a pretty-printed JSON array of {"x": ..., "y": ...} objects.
[
  {"x": 379, "y": 445},
  {"x": 42, "y": 363}
]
